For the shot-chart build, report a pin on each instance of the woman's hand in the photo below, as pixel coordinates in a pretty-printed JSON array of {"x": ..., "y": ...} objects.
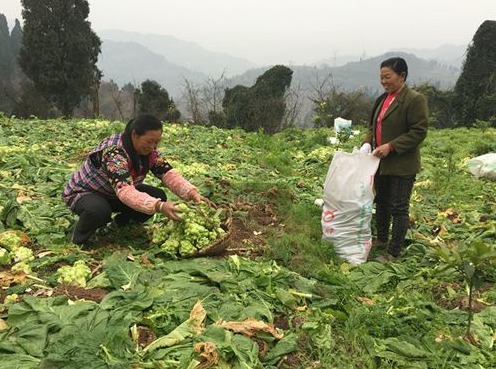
[
  {"x": 168, "y": 208},
  {"x": 383, "y": 150},
  {"x": 366, "y": 148},
  {"x": 196, "y": 197}
]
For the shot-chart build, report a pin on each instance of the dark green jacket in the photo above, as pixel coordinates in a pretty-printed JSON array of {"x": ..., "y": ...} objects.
[{"x": 405, "y": 126}]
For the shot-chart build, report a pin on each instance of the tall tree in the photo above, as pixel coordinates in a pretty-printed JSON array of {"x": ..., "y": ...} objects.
[
  {"x": 204, "y": 102},
  {"x": 154, "y": 99},
  {"x": 16, "y": 38},
  {"x": 191, "y": 96},
  {"x": 7, "y": 59},
  {"x": 440, "y": 105},
  {"x": 60, "y": 51},
  {"x": 331, "y": 103},
  {"x": 475, "y": 90},
  {"x": 261, "y": 106}
]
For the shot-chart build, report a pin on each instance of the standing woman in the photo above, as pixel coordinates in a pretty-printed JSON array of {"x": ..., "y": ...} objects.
[
  {"x": 111, "y": 181},
  {"x": 398, "y": 125}
]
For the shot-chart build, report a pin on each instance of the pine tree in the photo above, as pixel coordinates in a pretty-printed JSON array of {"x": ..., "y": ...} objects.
[
  {"x": 60, "y": 51},
  {"x": 475, "y": 90},
  {"x": 154, "y": 99},
  {"x": 260, "y": 106},
  {"x": 7, "y": 59},
  {"x": 16, "y": 38}
]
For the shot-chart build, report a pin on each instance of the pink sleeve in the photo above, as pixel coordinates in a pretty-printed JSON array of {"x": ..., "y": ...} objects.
[
  {"x": 177, "y": 184},
  {"x": 137, "y": 200}
]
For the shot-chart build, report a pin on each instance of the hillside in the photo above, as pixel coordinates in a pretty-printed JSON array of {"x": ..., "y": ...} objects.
[
  {"x": 169, "y": 60},
  {"x": 278, "y": 296},
  {"x": 130, "y": 62},
  {"x": 360, "y": 75},
  {"x": 363, "y": 74},
  {"x": 450, "y": 55},
  {"x": 186, "y": 54}
]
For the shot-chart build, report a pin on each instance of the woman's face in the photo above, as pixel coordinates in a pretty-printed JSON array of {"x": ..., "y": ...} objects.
[
  {"x": 147, "y": 142},
  {"x": 390, "y": 80}
]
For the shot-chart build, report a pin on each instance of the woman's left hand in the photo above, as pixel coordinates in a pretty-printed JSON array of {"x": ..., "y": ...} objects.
[
  {"x": 382, "y": 151},
  {"x": 196, "y": 197}
]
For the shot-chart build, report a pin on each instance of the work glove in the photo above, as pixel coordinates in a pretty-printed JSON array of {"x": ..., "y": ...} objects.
[{"x": 366, "y": 148}]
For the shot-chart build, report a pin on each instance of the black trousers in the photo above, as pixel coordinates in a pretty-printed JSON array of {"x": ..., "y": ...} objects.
[
  {"x": 96, "y": 210},
  {"x": 392, "y": 201}
]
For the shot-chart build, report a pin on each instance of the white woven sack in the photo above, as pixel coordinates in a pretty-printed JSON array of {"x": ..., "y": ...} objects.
[
  {"x": 483, "y": 166},
  {"x": 348, "y": 203}
]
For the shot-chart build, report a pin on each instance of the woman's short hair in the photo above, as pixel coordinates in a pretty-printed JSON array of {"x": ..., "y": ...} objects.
[{"x": 397, "y": 64}]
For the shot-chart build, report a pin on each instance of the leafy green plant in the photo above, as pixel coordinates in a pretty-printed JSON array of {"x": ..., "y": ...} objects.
[
  {"x": 483, "y": 125},
  {"x": 344, "y": 134},
  {"x": 470, "y": 260},
  {"x": 484, "y": 146},
  {"x": 322, "y": 117},
  {"x": 366, "y": 316}
]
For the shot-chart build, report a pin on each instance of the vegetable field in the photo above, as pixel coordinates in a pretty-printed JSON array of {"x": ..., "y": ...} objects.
[{"x": 277, "y": 297}]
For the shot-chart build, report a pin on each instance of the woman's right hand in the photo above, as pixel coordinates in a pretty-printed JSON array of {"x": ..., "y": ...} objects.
[
  {"x": 168, "y": 208},
  {"x": 366, "y": 148}
]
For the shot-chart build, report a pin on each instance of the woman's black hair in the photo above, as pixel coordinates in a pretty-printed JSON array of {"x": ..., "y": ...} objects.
[
  {"x": 397, "y": 64},
  {"x": 141, "y": 124}
]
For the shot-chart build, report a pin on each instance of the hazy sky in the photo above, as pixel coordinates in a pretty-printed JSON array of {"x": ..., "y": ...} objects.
[{"x": 293, "y": 31}]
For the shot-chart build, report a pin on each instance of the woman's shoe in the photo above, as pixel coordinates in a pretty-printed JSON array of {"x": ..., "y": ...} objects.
[
  {"x": 380, "y": 244},
  {"x": 386, "y": 258}
]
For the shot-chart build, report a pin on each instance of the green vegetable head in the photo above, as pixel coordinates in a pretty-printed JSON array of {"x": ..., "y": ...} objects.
[
  {"x": 10, "y": 240},
  {"x": 4, "y": 257},
  {"x": 22, "y": 267},
  {"x": 22, "y": 254},
  {"x": 75, "y": 275}
]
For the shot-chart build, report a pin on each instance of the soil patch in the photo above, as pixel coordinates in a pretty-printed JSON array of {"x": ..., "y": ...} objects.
[
  {"x": 459, "y": 300},
  {"x": 249, "y": 233},
  {"x": 80, "y": 293},
  {"x": 145, "y": 336}
]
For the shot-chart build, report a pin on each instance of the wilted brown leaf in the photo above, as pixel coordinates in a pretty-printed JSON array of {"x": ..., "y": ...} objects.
[
  {"x": 208, "y": 354},
  {"x": 366, "y": 300},
  {"x": 250, "y": 327},
  {"x": 7, "y": 278}
]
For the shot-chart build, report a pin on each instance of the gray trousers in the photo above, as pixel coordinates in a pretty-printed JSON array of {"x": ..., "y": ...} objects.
[{"x": 393, "y": 203}]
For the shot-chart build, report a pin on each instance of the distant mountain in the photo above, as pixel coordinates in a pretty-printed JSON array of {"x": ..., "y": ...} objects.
[
  {"x": 452, "y": 55},
  {"x": 446, "y": 54},
  {"x": 363, "y": 74},
  {"x": 186, "y": 54},
  {"x": 130, "y": 62},
  {"x": 337, "y": 61},
  {"x": 170, "y": 61},
  {"x": 133, "y": 57}
]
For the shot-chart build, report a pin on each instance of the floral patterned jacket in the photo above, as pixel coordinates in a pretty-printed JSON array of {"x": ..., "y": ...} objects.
[{"x": 108, "y": 170}]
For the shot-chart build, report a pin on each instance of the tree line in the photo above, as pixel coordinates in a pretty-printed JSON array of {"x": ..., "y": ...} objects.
[{"x": 49, "y": 69}]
